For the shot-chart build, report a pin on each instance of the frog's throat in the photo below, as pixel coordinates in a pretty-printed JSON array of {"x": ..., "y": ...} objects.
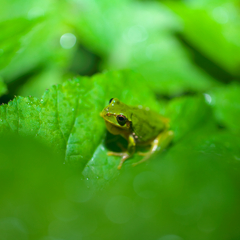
[
  {"x": 116, "y": 130},
  {"x": 128, "y": 123}
]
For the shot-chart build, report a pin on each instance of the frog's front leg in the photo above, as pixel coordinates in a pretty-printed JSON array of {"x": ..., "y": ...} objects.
[
  {"x": 158, "y": 144},
  {"x": 125, "y": 155}
]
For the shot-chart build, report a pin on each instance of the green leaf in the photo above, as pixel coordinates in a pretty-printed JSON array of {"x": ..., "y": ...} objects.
[
  {"x": 219, "y": 22},
  {"x": 142, "y": 36},
  {"x": 26, "y": 39},
  {"x": 27, "y": 195},
  {"x": 67, "y": 116},
  {"x": 187, "y": 114},
  {"x": 225, "y": 102},
  {"x": 11, "y": 32},
  {"x": 187, "y": 190},
  {"x": 3, "y": 87}
]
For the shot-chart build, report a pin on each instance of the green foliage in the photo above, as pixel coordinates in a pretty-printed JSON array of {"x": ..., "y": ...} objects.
[
  {"x": 67, "y": 116},
  {"x": 213, "y": 20},
  {"x": 191, "y": 190},
  {"x": 226, "y": 106},
  {"x": 29, "y": 176},
  {"x": 56, "y": 179},
  {"x": 3, "y": 88},
  {"x": 11, "y": 32},
  {"x": 142, "y": 39}
]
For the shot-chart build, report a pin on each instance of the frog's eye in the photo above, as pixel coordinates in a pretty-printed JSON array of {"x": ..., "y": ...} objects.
[
  {"x": 121, "y": 119},
  {"x": 110, "y": 100}
]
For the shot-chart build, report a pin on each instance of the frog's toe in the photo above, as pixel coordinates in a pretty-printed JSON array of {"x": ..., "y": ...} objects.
[
  {"x": 147, "y": 156},
  {"x": 125, "y": 156},
  {"x": 142, "y": 153},
  {"x": 119, "y": 154}
]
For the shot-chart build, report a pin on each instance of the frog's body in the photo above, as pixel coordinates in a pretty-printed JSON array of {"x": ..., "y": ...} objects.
[{"x": 140, "y": 126}]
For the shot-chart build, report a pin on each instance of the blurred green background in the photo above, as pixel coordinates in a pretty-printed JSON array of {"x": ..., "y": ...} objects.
[{"x": 189, "y": 55}]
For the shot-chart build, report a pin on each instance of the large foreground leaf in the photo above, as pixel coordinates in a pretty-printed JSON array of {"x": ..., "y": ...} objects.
[{"x": 191, "y": 192}]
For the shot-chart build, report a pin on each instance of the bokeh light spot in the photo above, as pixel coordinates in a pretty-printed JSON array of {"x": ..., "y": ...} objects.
[
  {"x": 64, "y": 210},
  {"x": 146, "y": 184},
  {"x": 135, "y": 34},
  {"x": 119, "y": 209},
  {"x": 68, "y": 40},
  {"x": 35, "y": 12},
  {"x": 147, "y": 208},
  {"x": 206, "y": 224},
  {"x": 220, "y": 15},
  {"x": 12, "y": 228},
  {"x": 50, "y": 238},
  {"x": 76, "y": 191},
  {"x": 84, "y": 225},
  {"x": 208, "y": 98},
  {"x": 170, "y": 237}
]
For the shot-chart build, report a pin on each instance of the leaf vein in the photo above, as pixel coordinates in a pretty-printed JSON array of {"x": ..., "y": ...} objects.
[
  {"x": 58, "y": 119},
  {"x": 73, "y": 123}
]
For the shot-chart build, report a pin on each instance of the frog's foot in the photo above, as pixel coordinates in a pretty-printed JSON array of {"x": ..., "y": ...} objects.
[
  {"x": 147, "y": 156},
  {"x": 119, "y": 154},
  {"x": 159, "y": 144},
  {"x": 142, "y": 153},
  {"x": 124, "y": 156}
]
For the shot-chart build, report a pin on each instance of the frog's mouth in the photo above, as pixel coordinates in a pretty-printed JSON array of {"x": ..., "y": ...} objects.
[
  {"x": 108, "y": 121},
  {"x": 103, "y": 114},
  {"x": 112, "y": 128}
]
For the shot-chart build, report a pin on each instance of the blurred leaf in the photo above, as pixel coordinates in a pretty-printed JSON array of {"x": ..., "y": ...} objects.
[
  {"x": 187, "y": 114},
  {"x": 141, "y": 36},
  {"x": 186, "y": 192},
  {"x": 67, "y": 116},
  {"x": 11, "y": 33},
  {"x": 3, "y": 87},
  {"x": 31, "y": 180},
  {"x": 219, "y": 22},
  {"x": 226, "y": 105},
  {"x": 189, "y": 191},
  {"x": 35, "y": 52},
  {"x": 39, "y": 82},
  {"x": 185, "y": 187},
  {"x": 38, "y": 48}
]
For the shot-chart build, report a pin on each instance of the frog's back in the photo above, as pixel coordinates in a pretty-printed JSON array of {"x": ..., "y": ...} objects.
[{"x": 147, "y": 124}]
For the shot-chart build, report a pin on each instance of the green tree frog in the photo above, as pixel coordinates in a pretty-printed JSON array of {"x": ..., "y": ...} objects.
[{"x": 140, "y": 126}]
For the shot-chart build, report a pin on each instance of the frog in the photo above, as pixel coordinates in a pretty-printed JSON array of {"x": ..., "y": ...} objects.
[{"x": 140, "y": 126}]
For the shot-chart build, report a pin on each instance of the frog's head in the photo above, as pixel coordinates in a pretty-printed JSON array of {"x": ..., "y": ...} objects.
[{"x": 117, "y": 114}]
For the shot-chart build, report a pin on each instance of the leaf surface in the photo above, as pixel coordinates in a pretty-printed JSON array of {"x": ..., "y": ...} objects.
[{"x": 67, "y": 117}]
